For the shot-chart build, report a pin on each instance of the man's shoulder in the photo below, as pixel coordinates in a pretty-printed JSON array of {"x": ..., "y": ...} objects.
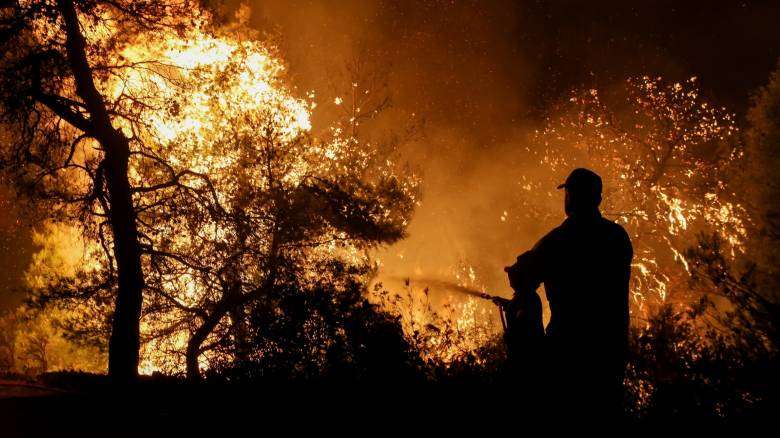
[
  {"x": 613, "y": 226},
  {"x": 617, "y": 233},
  {"x": 567, "y": 231},
  {"x": 552, "y": 237}
]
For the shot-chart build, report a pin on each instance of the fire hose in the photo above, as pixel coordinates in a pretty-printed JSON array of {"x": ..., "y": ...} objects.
[{"x": 501, "y": 302}]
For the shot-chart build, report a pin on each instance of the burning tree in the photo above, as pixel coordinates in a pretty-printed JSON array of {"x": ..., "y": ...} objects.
[
  {"x": 231, "y": 199},
  {"x": 281, "y": 209},
  {"x": 665, "y": 158},
  {"x": 71, "y": 139}
]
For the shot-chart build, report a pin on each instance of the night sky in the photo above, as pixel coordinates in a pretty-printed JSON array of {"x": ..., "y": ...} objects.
[
  {"x": 469, "y": 52},
  {"x": 476, "y": 74}
]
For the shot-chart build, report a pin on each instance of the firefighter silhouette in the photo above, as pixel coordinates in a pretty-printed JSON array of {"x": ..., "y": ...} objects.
[{"x": 585, "y": 265}]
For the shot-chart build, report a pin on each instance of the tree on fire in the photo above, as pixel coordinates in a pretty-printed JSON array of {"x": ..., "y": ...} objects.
[
  {"x": 232, "y": 199},
  {"x": 295, "y": 214},
  {"x": 63, "y": 126},
  {"x": 273, "y": 210}
]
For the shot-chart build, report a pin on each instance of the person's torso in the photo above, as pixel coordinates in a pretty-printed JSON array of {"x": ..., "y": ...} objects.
[{"x": 586, "y": 265}]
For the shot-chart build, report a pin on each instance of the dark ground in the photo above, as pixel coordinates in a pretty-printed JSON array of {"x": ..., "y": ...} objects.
[{"x": 169, "y": 407}]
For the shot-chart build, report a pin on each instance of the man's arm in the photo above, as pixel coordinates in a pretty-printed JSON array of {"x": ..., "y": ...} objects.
[{"x": 526, "y": 274}]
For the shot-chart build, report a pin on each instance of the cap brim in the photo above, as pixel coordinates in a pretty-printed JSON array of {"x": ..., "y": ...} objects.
[{"x": 562, "y": 186}]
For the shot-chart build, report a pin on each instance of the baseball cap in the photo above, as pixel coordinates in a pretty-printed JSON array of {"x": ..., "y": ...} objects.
[{"x": 582, "y": 180}]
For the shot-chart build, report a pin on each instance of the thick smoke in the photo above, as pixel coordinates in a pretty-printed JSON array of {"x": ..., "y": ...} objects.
[
  {"x": 454, "y": 70},
  {"x": 480, "y": 76}
]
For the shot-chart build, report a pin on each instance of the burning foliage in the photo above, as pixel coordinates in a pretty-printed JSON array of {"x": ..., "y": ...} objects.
[
  {"x": 665, "y": 162},
  {"x": 232, "y": 196}
]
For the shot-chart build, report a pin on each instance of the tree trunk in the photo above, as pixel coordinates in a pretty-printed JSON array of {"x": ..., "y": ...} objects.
[
  {"x": 240, "y": 332},
  {"x": 231, "y": 299},
  {"x": 197, "y": 339},
  {"x": 225, "y": 305},
  {"x": 125, "y": 341},
  {"x": 125, "y": 334}
]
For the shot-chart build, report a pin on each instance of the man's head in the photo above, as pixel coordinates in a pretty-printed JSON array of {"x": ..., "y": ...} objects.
[{"x": 583, "y": 191}]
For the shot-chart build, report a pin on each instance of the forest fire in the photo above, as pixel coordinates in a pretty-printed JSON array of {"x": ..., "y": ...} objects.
[{"x": 195, "y": 214}]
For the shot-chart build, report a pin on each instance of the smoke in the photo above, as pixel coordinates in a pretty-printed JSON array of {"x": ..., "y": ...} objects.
[
  {"x": 459, "y": 76},
  {"x": 479, "y": 76}
]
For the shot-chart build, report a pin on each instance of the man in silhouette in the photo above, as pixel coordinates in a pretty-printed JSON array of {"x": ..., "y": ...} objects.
[{"x": 585, "y": 265}]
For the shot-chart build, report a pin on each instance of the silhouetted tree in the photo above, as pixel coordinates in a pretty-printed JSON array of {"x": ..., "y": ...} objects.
[
  {"x": 66, "y": 143},
  {"x": 229, "y": 195}
]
